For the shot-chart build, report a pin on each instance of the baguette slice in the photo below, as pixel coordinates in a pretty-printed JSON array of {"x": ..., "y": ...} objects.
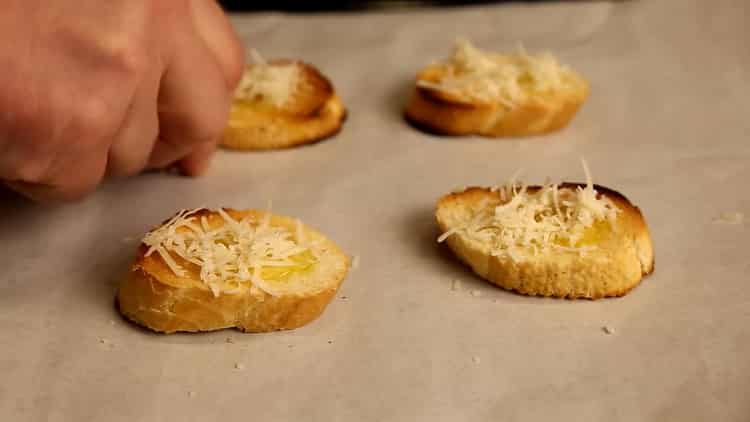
[
  {"x": 622, "y": 254},
  {"x": 154, "y": 296},
  {"x": 309, "y": 111},
  {"x": 492, "y": 95}
]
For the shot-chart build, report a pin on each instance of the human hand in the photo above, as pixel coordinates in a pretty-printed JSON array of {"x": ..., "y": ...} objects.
[{"x": 93, "y": 88}]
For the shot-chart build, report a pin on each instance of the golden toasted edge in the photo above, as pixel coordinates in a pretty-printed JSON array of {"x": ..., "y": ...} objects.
[
  {"x": 269, "y": 131},
  {"x": 633, "y": 217},
  {"x": 315, "y": 114},
  {"x": 146, "y": 300},
  {"x": 433, "y": 112}
]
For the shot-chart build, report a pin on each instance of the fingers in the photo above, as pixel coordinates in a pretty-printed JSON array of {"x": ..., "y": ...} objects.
[
  {"x": 70, "y": 185},
  {"x": 62, "y": 160},
  {"x": 194, "y": 101},
  {"x": 217, "y": 32},
  {"x": 130, "y": 150},
  {"x": 197, "y": 162}
]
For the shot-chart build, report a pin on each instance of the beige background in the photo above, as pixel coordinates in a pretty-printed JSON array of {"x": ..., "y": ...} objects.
[{"x": 667, "y": 124}]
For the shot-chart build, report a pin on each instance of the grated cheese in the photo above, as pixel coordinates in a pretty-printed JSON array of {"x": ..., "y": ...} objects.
[
  {"x": 271, "y": 83},
  {"x": 507, "y": 79},
  {"x": 525, "y": 223},
  {"x": 231, "y": 255}
]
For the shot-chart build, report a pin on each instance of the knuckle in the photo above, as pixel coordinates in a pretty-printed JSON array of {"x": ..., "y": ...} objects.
[
  {"x": 94, "y": 118},
  {"x": 131, "y": 61}
]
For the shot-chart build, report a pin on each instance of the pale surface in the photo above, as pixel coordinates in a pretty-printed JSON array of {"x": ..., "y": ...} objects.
[{"x": 667, "y": 124}]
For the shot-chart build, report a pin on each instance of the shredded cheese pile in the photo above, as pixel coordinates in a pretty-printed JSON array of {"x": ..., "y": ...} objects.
[
  {"x": 231, "y": 254},
  {"x": 532, "y": 223},
  {"x": 507, "y": 79},
  {"x": 271, "y": 83}
]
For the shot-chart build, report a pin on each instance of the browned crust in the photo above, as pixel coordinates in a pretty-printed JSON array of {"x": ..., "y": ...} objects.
[
  {"x": 438, "y": 113},
  {"x": 153, "y": 297},
  {"x": 535, "y": 279},
  {"x": 316, "y": 113}
]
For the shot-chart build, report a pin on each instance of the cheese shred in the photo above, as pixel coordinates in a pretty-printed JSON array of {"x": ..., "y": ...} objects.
[
  {"x": 529, "y": 222},
  {"x": 231, "y": 254},
  {"x": 506, "y": 79},
  {"x": 272, "y": 83}
]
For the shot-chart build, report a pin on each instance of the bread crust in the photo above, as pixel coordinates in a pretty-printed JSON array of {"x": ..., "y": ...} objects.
[
  {"x": 154, "y": 297},
  {"x": 613, "y": 269},
  {"x": 314, "y": 114},
  {"x": 443, "y": 113}
]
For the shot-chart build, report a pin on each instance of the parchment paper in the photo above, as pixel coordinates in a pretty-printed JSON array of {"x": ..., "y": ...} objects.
[{"x": 666, "y": 124}]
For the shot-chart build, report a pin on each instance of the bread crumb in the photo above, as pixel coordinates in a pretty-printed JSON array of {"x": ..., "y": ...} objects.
[
  {"x": 330, "y": 341},
  {"x": 106, "y": 343},
  {"x": 476, "y": 360},
  {"x": 733, "y": 218},
  {"x": 355, "y": 262},
  {"x": 608, "y": 330},
  {"x": 476, "y": 293},
  {"x": 191, "y": 394},
  {"x": 344, "y": 297},
  {"x": 456, "y": 285},
  {"x": 238, "y": 366},
  {"x": 229, "y": 340},
  {"x": 111, "y": 322},
  {"x": 459, "y": 189}
]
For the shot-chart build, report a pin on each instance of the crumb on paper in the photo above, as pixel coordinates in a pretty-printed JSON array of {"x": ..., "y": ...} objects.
[
  {"x": 238, "y": 366},
  {"x": 476, "y": 293},
  {"x": 476, "y": 360},
  {"x": 229, "y": 340},
  {"x": 106, "y": 343},
  {"x": 355, "y": 262},
  {"x": 291, "y": 346},
  {"x": 330, "y": 341},
  {"x": 732, "y": 218},
  {"x": 111, "y": 322},
  {"x": 456, "y": 285},
  {"x": 344, "y": 297},
  {"x": 192, "y": 394},
  {"x": 608, "y": 330}
]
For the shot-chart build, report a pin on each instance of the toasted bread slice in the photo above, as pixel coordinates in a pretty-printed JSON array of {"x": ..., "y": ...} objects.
[
  {"x": 172, "y": 293},
  {"x": 283, "y": 104},
  {"x": 613, "y": 257},
  {"x": 492, "y": 95}
]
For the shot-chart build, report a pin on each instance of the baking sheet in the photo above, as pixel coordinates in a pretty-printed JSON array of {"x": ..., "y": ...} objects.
[{"x": 666, "y": 124}]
